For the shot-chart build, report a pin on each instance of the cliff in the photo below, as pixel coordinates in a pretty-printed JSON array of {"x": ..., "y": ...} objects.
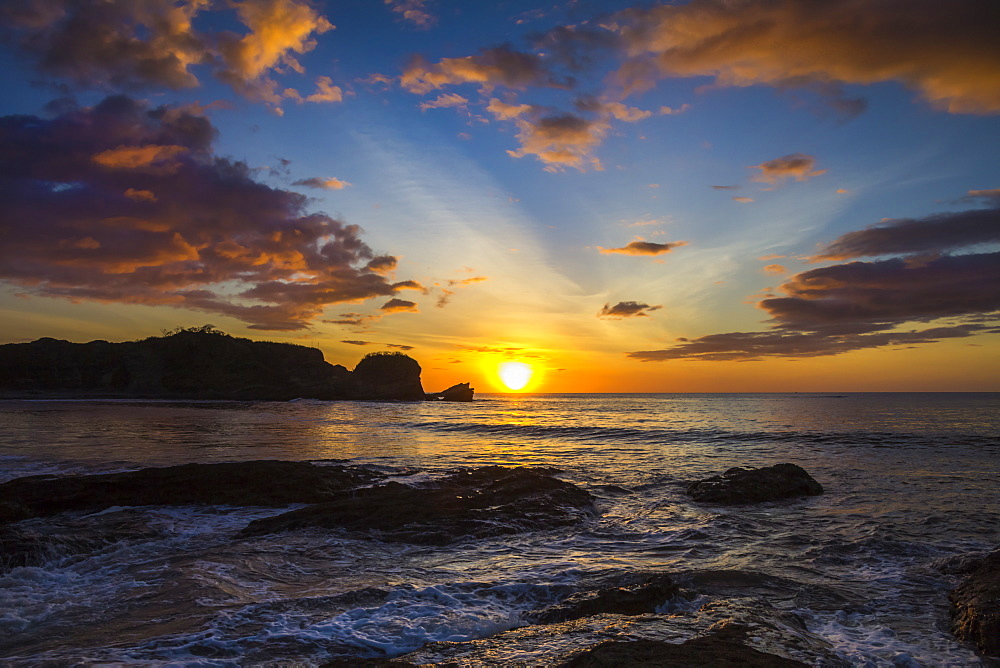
[{"x": 200, "y": 363}]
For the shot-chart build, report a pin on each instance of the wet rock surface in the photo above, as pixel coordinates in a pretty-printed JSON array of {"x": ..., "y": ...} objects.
[
  {"x": 740, "y": 485},
  {"x": 472, "y": 503},
  {"x": 35, "y": 543},
  {"x": 975, "y": 607},
  {"x": 629, "y": 594},
  {"x": 719, "y": 633},
  {"x": 710, "y": 651},
  {"x": 254, "y": 483}
]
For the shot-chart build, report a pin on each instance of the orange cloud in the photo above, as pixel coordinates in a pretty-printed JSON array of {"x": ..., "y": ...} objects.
[
  {"x": 413, "y": 11},
  {"x": 626, "y": 310},
  {"x": 325, "y": 92},
  {"x": 140, "y": 195},
  {"x": 561, "y": 141},
  {"x": 445, "y": 298},
  {"x": 500, "y": 66},
  {"x": 623, "y": 112},
  {"x": 445, "y": 100},
  {"x": 325, "y": 184},
  {"x": 409, "y": 285},
  {"x": 506, "y": 112},
  {"x": 382, "y": 264},
  {"x": 796, "y": 165},
  {"x": 278, "y": 28},
  {"x": 945, "y": 51},
  {"x": 399, "y": 306},
  {"x": 775, "y": 269},
  {"x": 154, "y": 42},
  {"x": 743, "y": 200},
  {"x": 135, "y": 157},
  {"x": 641, "y": 247}
]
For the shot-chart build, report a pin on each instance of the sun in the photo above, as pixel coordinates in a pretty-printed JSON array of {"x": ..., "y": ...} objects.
[{"x": 515, "y": 375}]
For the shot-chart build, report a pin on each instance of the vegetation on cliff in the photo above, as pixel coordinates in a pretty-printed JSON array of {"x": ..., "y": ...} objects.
[{"x": 199, "y": 363}]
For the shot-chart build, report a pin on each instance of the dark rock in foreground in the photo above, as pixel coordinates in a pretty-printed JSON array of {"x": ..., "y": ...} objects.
[
  {"x": 748, "y": 485},
  {"x": 460, "y": 392},
  {"x": 746, "y": 632},
  {"x": 476, "y": 503},
  {"x": 710, "y": 651},
  {"x": 255, "y": 483},
  {"x": 632, "y": 594},
  {"x": 975, "y": 607}
]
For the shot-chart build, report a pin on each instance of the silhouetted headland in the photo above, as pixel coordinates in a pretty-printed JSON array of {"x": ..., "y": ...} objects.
[{"x": 205, "y": 363}]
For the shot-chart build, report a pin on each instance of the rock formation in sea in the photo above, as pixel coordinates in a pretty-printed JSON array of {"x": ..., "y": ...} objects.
[
  {"x": 459, "y": 392},
  {"x": 748, "y": 485},
  {"x": 199, "y": 363},
  {"x": 469, "y": 503},
  {"x": 389, "y": 375},
  {"x": 253, "y": 483},
  {"x": 975, "y": 606},
  {"x": 620, "y": 594}
]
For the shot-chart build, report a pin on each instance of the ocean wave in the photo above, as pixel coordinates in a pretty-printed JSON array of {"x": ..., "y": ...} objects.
[{"x": 656, "y": 435}]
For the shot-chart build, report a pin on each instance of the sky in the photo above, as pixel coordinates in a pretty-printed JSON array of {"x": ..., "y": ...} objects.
[{"x": 702, "y": 196}]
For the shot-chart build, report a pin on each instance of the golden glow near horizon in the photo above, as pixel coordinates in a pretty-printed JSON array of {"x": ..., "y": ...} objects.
[
  {"x": 515, "y": 375},
  {"x": 717, "y": 222}
]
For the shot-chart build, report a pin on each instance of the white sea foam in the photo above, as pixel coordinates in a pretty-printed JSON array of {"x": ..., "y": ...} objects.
[{"x": 865, "y": 641}]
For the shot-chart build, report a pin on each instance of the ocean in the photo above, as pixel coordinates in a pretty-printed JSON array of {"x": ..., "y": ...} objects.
[{"x": 911, "y": 484}]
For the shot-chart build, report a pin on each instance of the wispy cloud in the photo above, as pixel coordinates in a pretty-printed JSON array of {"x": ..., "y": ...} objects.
[
  {"x": 796, "y": 166},
  {"x": 413, "y": 11}
]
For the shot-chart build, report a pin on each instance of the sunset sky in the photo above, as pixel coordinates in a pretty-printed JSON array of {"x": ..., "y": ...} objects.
[{"x": 744, "y": 195}]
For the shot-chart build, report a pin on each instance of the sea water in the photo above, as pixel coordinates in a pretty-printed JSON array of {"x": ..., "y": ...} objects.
[{"x": 911, "y": 481}]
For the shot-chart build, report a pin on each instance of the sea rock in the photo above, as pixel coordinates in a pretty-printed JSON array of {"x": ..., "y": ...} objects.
[
  {"x": 34, "y": 543},
  {"x": 474, "y": 503},
  {"x": 387, "y": 376},
  {"x": 709, "y": 651},
  {"x": 254, "y": 483},
  {"x": 628, "y": 594},
  {"x": 459, "y": 392},
  {"x": 748, "y": 630},
  {"x": 975, "y": 607},
  {"x": 748, "y": 485}
]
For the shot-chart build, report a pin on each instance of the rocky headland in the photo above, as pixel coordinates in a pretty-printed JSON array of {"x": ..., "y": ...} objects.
[{"x": 204, "y": 363}]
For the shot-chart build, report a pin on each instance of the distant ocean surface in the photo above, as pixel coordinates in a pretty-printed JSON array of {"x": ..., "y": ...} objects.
[{"x": 911, "y": 480}]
